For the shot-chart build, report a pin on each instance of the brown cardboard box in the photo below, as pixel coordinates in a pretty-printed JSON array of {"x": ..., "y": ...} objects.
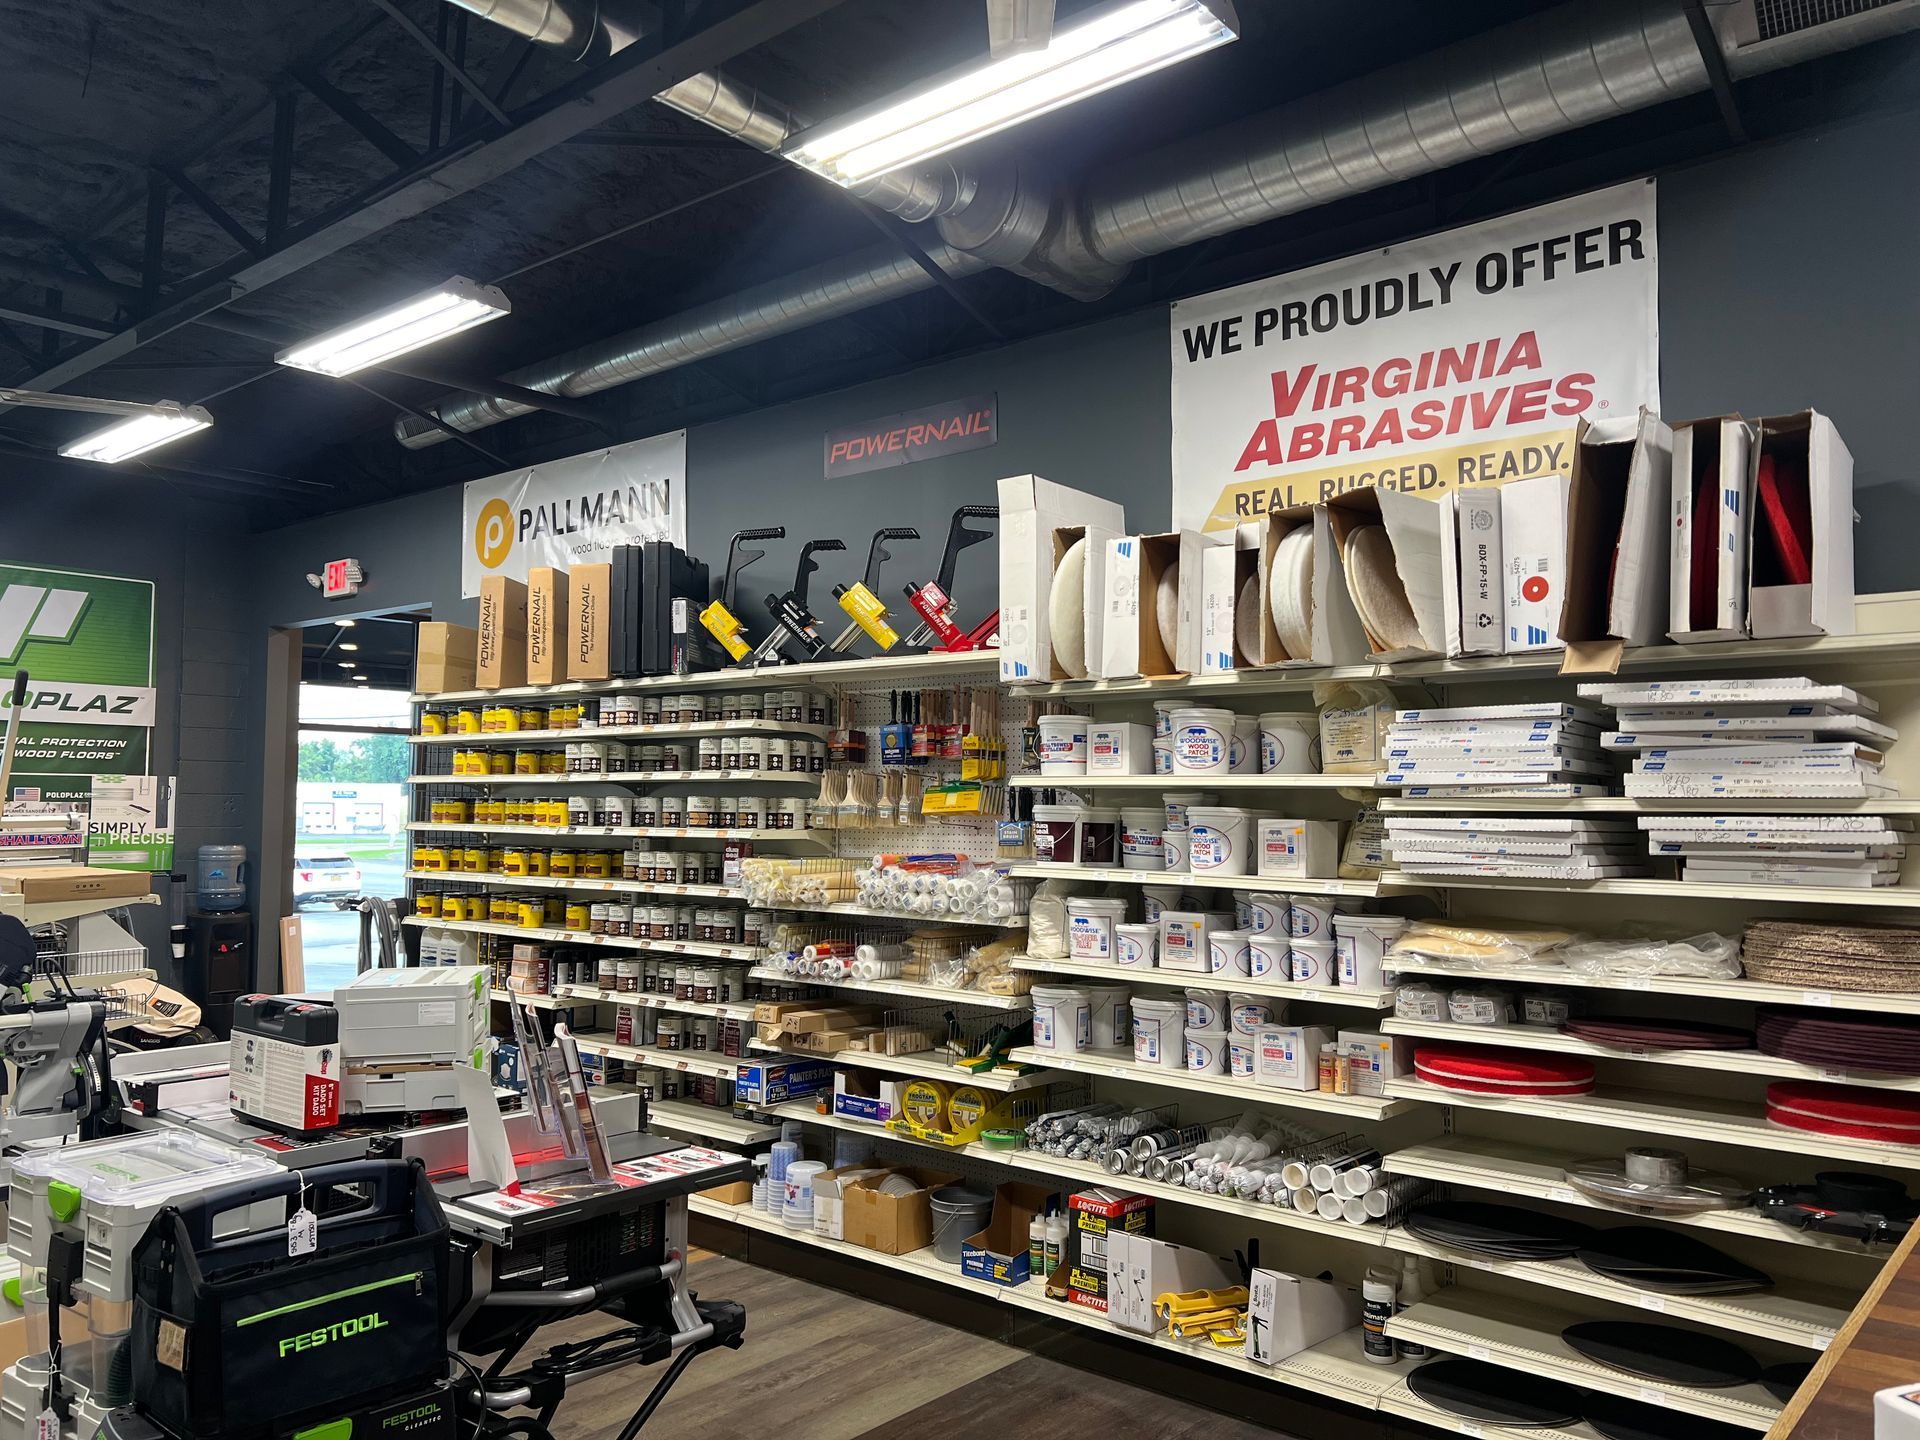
[
  {"x": 549, "y": 617},
  {"x": 771, "y": 1012},
  {"x": 53, "y": 884},
  {"x": 801, "y": 1022},
  {"x": 591, "y": 606},
  {"x": 892, "y": 1224},
  {"x": 740, "y": 1192},
  {"x": 503, "y": 632},
  {"x": 445, "y": 657},
  {"x": 999, "y": 1253}
]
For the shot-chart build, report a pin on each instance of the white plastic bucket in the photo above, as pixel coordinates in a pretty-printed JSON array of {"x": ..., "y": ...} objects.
[
  {"x": 1228, "y": 952},
  {"x": 1056, "y": 834},
  {"x": 1247, "y": 1013},
  {"x": 1360, "y": 942},
  {"x": 1240, "y": 1052},
  {"x": 1243, "y": 754},
  {"x": 1289, "y": 743},
  {"x": 1136, "y": 947},
  {"x": 1090, "y": 924},
  {"x": 1206, "y": 1009},
  {"x": 1309, "y": 917},
  {"x": 1140, "y": 847},
  {"x": 1268, "y": 910},
  {"x": 1311, "y": 962},
  {"x": 1242, "y": 910},
  {"x": 1267, "y": 955},
  {"x": 1159, "y": 1033},
  {"x": 1176, "y": 848},
  {"x": 796, "y": 1205},
  {"x": 1157, "y": 898},
  {"x": 1220, "y": 840},
  {"x": 1062, "y": 1019},
  {"x": 1178, "y": 802},
  {"x": 1207, "y": 1051},
  {"x": 1162, "y": 755},
  {"x": 1063, "y": 744},
  {"x": 1099, "y": 836},
  {"x": 1202, "y": 741},
  {"x": 1111, "y": 1025},
  {"x": 1163, "y": 711}
]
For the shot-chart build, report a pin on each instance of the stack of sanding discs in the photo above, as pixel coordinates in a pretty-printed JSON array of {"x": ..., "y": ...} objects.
[
  {"x": 1505, "y": 1232},
  {"x": 1852, "y": 1111},
  {"x": 1842, "y": 1042},
  {"x": 1618, "y": 1418},
  {"x": 1832, "y": 957},
  {"x": 1666, "y": 1353},
  {"x": 1491, "y": 1070},
  {"x": 1652, "y": 1257},
  {"x": 1476, "y": 1390},
  {"x": 1656, "y": 1034}
]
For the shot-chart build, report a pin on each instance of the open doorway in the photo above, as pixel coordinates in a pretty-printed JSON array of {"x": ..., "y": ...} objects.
[{"x": 349, "y": 813}]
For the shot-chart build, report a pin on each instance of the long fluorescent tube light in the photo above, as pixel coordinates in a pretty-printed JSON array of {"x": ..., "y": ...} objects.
[
  {"x": 161, "y": 424},
  {"x": 445, "y": 310},
  {"x": 1098, "y": 50}
]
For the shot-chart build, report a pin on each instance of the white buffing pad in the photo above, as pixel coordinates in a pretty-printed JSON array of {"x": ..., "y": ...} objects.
[
  {"x": 1166, "y": 609},
  {"x": 1290, "y": 592},
  {"x": 1067, "y": 611},
  {"x": 1377, "y": 592}
]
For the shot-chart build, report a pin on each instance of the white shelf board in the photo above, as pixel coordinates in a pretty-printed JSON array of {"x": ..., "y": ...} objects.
[
  {"x": 927, "y": 1063},
  {"x": 594, "y": 887},
  {"x": 1887, "y": 650},
  {"x": 1118, "y": 1066},
  {"x": 868, "y": 912},
  {"x": 804, "y": 778},
  {"x": 904, "y": 988},
  {"x": 610, "y": 832},
  {"x": 1526, "y": 1337},
  {"x": 593, "y": 995},
  {"x": 1209, "y": 782},
  {"x": 1656, "y": 1112},
  {"x": 1736, "y": 1062},
  {"x": 581, "y": 937},
  {"x": 1627, "y": 805},
  {"x": 1115, "y": 875},
  {"x": 1753, "y": 991},
  {"x": 1478, "y": 1162},
  {"x": 694, "y": 1062},
  {"x": 687, "y": 1118},
  {"x": 933, "y": 668},
  {"x": 532, "y": 1002},
  {"x": 1882, "y": 897},
  {"x": 1239, "y": 984},
  {"x": 1805, "y": 1315},
  {"x": 923, "y": 1263},
  {"x": 628, "y": 732}
]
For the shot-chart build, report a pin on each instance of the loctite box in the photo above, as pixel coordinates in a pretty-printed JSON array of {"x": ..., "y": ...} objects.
[{"x": 284, "y": 1063}]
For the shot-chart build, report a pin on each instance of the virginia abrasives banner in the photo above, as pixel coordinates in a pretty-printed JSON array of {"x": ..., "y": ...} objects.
[
  {"x": 1466, "y": 358},
  {"x": 86, "y": 643},
  {"x": 574, "y": 511}
]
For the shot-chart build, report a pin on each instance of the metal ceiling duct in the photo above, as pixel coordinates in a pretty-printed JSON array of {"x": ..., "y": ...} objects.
[{"x": 1551, "y": 72}]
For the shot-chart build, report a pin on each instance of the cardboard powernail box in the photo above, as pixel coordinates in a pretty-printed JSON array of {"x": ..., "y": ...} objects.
[
  {"x": 445, "y": 657},
  {"x": 891, "y": 1224},
  {"x": 1618, "y": 556},
  {"x": 548, "y": 617},
  {"x": 999, "y": 1253},
  {"x": 1091, "y": 599},
  {"x": 590, "y": 605},
  {"x": 1802, "y": 529},
  {"x": 1290, "y": 1313},
  {"x": 503, "y": 632},
  {"x": 1712, "y": 496},
  {"x": 1031, "y": 509}
]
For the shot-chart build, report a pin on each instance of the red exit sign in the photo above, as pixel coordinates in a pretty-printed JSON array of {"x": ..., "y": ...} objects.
[{"x": 341, "y": 578}]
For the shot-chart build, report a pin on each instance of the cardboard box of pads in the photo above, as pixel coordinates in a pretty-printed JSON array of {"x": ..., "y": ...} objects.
[
  {"x": 1617, "y": 586},
  {"x": 891, "y": 1224},
  {"x": 1093, "y": 599},
  {"x": 1533, "y": 540},
  {"x": 549, "y": 620},
  {"x": 1419, "y": 561},
  {"x": 445, "y": 657},
  {"x": 1337, "y": 637},
  {"x": 1229, "y": 574},
  {"x": 1031, "y": 509},
  {"x": 1712, "y": 497},
  {"x": 503, "y": 632},
  {"x": 1137, "y": 566},
  {"x": 1802, "y": 578}
]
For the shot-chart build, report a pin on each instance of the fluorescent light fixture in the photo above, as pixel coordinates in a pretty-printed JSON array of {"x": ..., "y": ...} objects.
[
  {"x": 157, "y": 425},
  {"x": 1097, "y": 50},
  {"x": 345, "y": 624},
  {"x": 346, "y": 664},
  {"x": 358, "y": 677},
  {"x": 445, "y": 310},
  {"x": 348, "y": 645}
]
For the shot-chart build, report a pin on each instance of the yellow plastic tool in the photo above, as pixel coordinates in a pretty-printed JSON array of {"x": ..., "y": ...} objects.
[
  {"x": 865, "y": 609},
  {"x": 1177, "y": 1305},
  {"x": 726, "y": 627}
]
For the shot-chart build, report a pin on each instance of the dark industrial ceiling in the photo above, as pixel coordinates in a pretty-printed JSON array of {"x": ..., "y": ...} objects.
[{"x": 115, "y": 113}]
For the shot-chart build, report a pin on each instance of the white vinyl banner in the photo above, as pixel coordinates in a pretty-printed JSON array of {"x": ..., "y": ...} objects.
[
  {"x": 573, "y": 511},
  {"x": 1465, "y": 358}
]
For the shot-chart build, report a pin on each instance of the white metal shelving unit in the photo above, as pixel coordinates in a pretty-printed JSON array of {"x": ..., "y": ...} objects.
[
  {"x": 592, "y": 887},
  {"x": 1143, "y": 783},
  {"x": 906, "y": 991},
  {"x": 1750, "y": 991},
  {"x": 1115, "y": 875},
  {"x": 685, "y": 1118},
  {"x": 692, "y": 729},
  {"x": 1344, "y": 995},
  {"x": 582, "y": 937},
  {"x": 1243, "y": 1092}
]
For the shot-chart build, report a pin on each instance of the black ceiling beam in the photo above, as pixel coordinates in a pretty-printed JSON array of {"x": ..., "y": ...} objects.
[
  {"x": 658, "y": 139},
  {"x": 280, "y": 163},
  {"x": 1715, "y": 61},
  {"x": 227, "y": 482},
  {"x": 214, "y": 210},
  {"x": 455, "y": 71},
  {"x": 403, "y": 155},
  {"x": 896, "y": 230},
  {"x": 55, "y": 320},
  {"x": 459, "y": 437},
  {"x": 153, "y": 250},
  {"x": 630, "y": 78}
]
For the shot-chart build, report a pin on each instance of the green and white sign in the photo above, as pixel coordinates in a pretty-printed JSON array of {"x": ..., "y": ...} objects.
[{"x": 86, "y": 643}]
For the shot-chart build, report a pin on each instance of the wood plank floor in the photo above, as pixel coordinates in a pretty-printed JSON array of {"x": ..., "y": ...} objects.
[{"x": 823, "y": 1365}]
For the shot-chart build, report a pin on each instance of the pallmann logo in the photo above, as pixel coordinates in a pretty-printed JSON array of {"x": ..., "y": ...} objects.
[
  {"x": 912, "y": 435},
  {"x": 34, "y": 612}
]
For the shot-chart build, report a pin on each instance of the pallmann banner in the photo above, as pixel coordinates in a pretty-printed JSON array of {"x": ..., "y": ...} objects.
[
  {"x": 86, "y": 643},
  {"x": 911, "y": 435},
  {"x": 573, "y": 511},
  {"x": 1466, "y": 358}
]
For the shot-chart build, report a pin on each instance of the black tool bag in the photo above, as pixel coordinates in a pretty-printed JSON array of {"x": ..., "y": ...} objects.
[{"x": 234, "y": 1339}]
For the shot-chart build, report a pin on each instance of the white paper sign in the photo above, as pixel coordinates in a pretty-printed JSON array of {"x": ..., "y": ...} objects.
[
  {"x": 573, "y": 511},
  {"x": 1466, "y": 358}
]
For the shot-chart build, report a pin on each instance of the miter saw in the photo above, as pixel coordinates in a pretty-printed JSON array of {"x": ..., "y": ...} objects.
[{"x": 57, "y": 1047}]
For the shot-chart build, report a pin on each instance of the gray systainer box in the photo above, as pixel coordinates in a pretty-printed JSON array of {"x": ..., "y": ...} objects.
[{"x": 402, "y": 1033}]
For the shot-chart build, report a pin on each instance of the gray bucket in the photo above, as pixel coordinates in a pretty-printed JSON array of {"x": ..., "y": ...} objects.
[{"x": 957, "y": 1213}]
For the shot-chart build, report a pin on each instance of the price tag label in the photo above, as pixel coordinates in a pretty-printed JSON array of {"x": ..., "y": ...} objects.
[
  {"x": 679, "y": 1064},
  {"x": 46, "y": 1425},
  {"x": 1827, "y": 1074},
  {"x": 1640, "y": 982},
  {"x": 303, "y": 1232},
  {"x": 1653, "y": 1302},
  {"x": 1653, "y": 1396},
  {"x": 1479, "y": 1352},
  {"x": 1822, "y": 1342},
  {"x": 1481, "y": 1263},
  {"x": 1816, "y": 997},
  {"x": 1564, "y": 1195},
  {"x": 1467, "y": 1427}
]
